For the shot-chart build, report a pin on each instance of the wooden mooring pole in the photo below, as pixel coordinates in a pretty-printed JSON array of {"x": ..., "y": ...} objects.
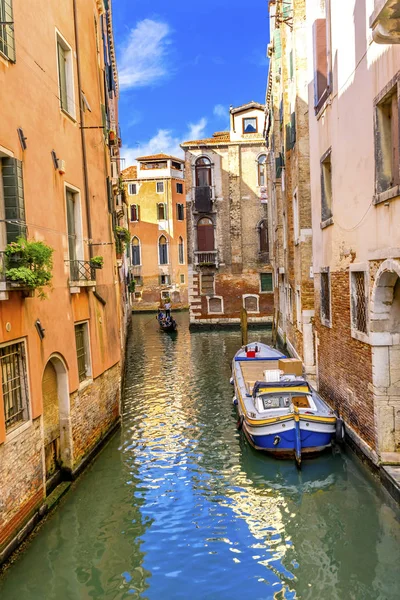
[{"x": 243, "y": 326}]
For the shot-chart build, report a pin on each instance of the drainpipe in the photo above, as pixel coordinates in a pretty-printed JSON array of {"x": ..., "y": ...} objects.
[{"x": 83, "y": 141}]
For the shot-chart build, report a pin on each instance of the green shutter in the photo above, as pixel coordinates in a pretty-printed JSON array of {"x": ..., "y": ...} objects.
[
  {"x": 14, "y": 203},
  {"x": 286, "y": 8},
  {"x": 110, "y": 197},
  {"x": 293, "y": 128},
  {"x": 266, "y": 282},
  {"x": 277, "y": 43},
  {"x": 104, "y": 118},
  {"x": 62, "y": 77},
  {"x": 291, "y": 64},
  {"x": 7, "y": 40}
]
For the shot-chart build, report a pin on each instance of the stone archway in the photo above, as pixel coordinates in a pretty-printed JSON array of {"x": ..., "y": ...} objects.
[
  {"x": 385, "y": 341},
  {"x": 56, "y": 416}
]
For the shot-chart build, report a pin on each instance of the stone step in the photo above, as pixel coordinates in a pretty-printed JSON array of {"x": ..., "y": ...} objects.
[{"x": 57, "y": 494}]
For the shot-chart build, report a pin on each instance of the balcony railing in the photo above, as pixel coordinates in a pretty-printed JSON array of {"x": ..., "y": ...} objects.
[
  {"x": 203, "y": 199},
  {"x": 209, "y": 258},
  {"x": 81, "y": 273}
]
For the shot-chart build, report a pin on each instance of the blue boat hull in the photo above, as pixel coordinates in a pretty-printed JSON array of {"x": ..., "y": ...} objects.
[{"x": 311, "y": 441}]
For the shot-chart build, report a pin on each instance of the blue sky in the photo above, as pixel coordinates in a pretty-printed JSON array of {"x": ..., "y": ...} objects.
[{"x": 182, "y": 64}]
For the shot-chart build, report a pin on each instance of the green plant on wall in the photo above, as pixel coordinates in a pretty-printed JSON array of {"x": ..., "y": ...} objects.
[
  {"x": 97, "y": 262},
  {"x": 132, "y": 286},
  {"x": 29, "y": 263},
  {"x": 122, "y": 238}
]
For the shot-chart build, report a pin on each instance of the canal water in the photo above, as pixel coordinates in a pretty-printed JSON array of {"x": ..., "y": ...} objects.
[{"x": 178, "y": 506}]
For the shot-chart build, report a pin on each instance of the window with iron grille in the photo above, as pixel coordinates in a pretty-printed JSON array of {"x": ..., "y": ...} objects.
[
  {"x": 14, "y": 384},
  {"x": 7, "y": 41},
  {"x": 325, "y": 298},
  {"x": 81, "y": 338},
  {"x": 359, "y": 301}
]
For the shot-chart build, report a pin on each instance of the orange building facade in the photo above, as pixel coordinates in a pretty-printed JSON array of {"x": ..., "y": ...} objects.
[
  {"x": 155, "y": 190},
  {"x": 60, "y": 357}
]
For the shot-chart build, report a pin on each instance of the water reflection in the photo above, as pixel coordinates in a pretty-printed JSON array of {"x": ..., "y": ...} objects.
[{"x": 180, "y": 506}]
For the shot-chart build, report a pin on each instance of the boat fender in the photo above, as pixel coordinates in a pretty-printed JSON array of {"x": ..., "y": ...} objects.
[
  {"x": 277, "y": 439},
  {"x": 239, "y": 424},
  {"x": 339, "y": 434},
  {"x": 234, "y": 400},
  {"x": 231, "y": 381}
]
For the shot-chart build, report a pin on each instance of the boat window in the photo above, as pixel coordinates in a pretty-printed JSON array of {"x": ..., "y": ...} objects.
[
  {"x": 270, "y": 401},
  {"x": 301, "y": 401}
]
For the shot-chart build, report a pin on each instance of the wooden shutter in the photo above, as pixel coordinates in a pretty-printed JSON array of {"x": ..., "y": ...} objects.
[
  {"x": 62, "y": 77},
  {"x": 14, "y": 202},
  {"x": 277, "y": 43},
  {"x": 320, "y": 62},
  {"x": 110, "y": 198},
  {"x": 71, "y": 225},
  {"x": 205, "y": 238}
]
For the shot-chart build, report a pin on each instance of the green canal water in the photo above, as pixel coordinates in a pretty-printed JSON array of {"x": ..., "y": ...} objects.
[{"x": 178, "y": 506}]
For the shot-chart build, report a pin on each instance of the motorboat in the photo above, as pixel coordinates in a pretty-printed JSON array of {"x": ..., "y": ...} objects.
[{"x": 279, "y": 411}]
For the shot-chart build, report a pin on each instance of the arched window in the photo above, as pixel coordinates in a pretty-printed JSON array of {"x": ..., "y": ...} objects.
[
  {"x": 136, "y": 251},
  {"x": 161, "y": 211},
  {"x": 263, "y": 235},
  {"x": 203, "y": 172},
  {"x": 163, "y": 250},
  {"x": 262, "y": 165},
  {"x": 181, "y": 256},
  {"x": 205, "y": 235}
]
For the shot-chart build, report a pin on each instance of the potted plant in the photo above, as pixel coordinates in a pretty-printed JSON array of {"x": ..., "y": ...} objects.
[
  {"x": 96, "y": 262},
  {"x": 29, "y": 265},
  {"x": 122, "y": 238},
  {"x": 132, "y": 286}
]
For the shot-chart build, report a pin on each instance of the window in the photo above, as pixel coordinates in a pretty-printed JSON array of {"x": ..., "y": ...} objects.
[
  {"x": 135, "y": 212},
  {"x": 7, "y": 41},
  {"x": 262, "y": 163},
  {"x": 65, "y": 76},
  {"x": 82, "y": 351},
  {"x": 387, "y": 142},
  {"x": 153, "y": 165},
  {"x": 298, "y": 309},
  {"x": 180, "y": 212},
  {"x": 325, "y": 297},
  {"x": 11, "y": 174},
  {"x": 182, "y": 278},
  {"x": 205, "y": 235},
  {"x": 203, "y": 172},
  {"x": 160, "y": 187},
  {"x": 207, "y": 284},
  {"x": 266, "y": 284},
  {"x": 263, "y": 236},
  {"x": 138, "y": 279},
  {"x": 161, "y": 211},
  {"x": 326, "y": 187},
  {"x": 14, "y": 384},
  {"x": 132, "y": 189},
  {"x": 181, "y": 255},
  {"x": 74, "y": 231},
  {"x": 250, "y": 303},
  {"x": 163, "y": 250},
  {"x": 250, "y": 125},
  {"x": 359, "y": 301},
  {"x": 165, "y": 280},
  {"x": 215, "y": 305},
  {"x": 296, "y": 232},
  {"x": 289, "y": 303},
  {"x": 136, "y": 258},
  {"x": 179, "y": 188},
  {"x": 178, "y": 167},
  {"x": 322, "y": 56}
]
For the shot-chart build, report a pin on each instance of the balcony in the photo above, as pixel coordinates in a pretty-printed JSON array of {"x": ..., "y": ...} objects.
[
  {"x": 206, "y": 259},
  {"x": 203, "y": 202},
  {"x": 385, "y": 22},
  {"x": 81, "y": 275}
]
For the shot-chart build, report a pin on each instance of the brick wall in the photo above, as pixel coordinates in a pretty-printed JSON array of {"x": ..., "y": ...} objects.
[
  {"x": 21, "y": 480},
  {"x": 94, "y": 410},
  {"x": 345, "y": 364}
]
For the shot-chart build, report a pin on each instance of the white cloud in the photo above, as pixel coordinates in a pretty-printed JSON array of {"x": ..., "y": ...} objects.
[
  {"x": 164, "y": 141},
  {"x": 142, "y": 59},
  {"x": 220, "y": 111}
]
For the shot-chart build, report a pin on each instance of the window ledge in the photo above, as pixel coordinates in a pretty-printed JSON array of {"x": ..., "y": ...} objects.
[
  {"x": 266, "y": 292},
  {"x": 5, "y": 60},
  {"x": 389, "y": 194},
  {"x": 67, "y": 114},
  {"x": 326, "y": 323},
  {"x": 17, "y": 431},
  {"x": 327, "y": 223},
  {"x": 85, "y": 383},
  {"x": 360, "y": 336}
]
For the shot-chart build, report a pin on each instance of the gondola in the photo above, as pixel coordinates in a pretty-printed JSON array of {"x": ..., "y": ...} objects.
[{"x": 167, "y": 324}]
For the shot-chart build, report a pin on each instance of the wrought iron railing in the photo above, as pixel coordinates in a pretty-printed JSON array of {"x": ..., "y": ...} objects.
[
  {"x": 203, "y": 199},
  {"x": 81, "y": 271},
  {"x": 206, "y": 258}
]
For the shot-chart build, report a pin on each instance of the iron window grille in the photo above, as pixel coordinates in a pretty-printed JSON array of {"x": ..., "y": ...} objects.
[
  {"x": 325, "y": 297},
  {"x": 359, "y": 299},
  {"x": 14, "y": 384}
]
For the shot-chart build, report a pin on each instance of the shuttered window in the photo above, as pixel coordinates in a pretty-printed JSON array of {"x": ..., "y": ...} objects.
[
  {"x": 277, "y": 43},
  {"x": 266, "y": 284},
  {"x": 135, "y": 212},
  {"x": 205, "y": 235},
  {"x": 7, "y": 40},
  {"x": 62, "y": 76},
  {"x": 110, "y": 197},
  {"x": 181, "y": 256},
  {"x": 320, "y": 62},
  {"x": 161, "y": 211},
  {"x": 14, "y": 202}
]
